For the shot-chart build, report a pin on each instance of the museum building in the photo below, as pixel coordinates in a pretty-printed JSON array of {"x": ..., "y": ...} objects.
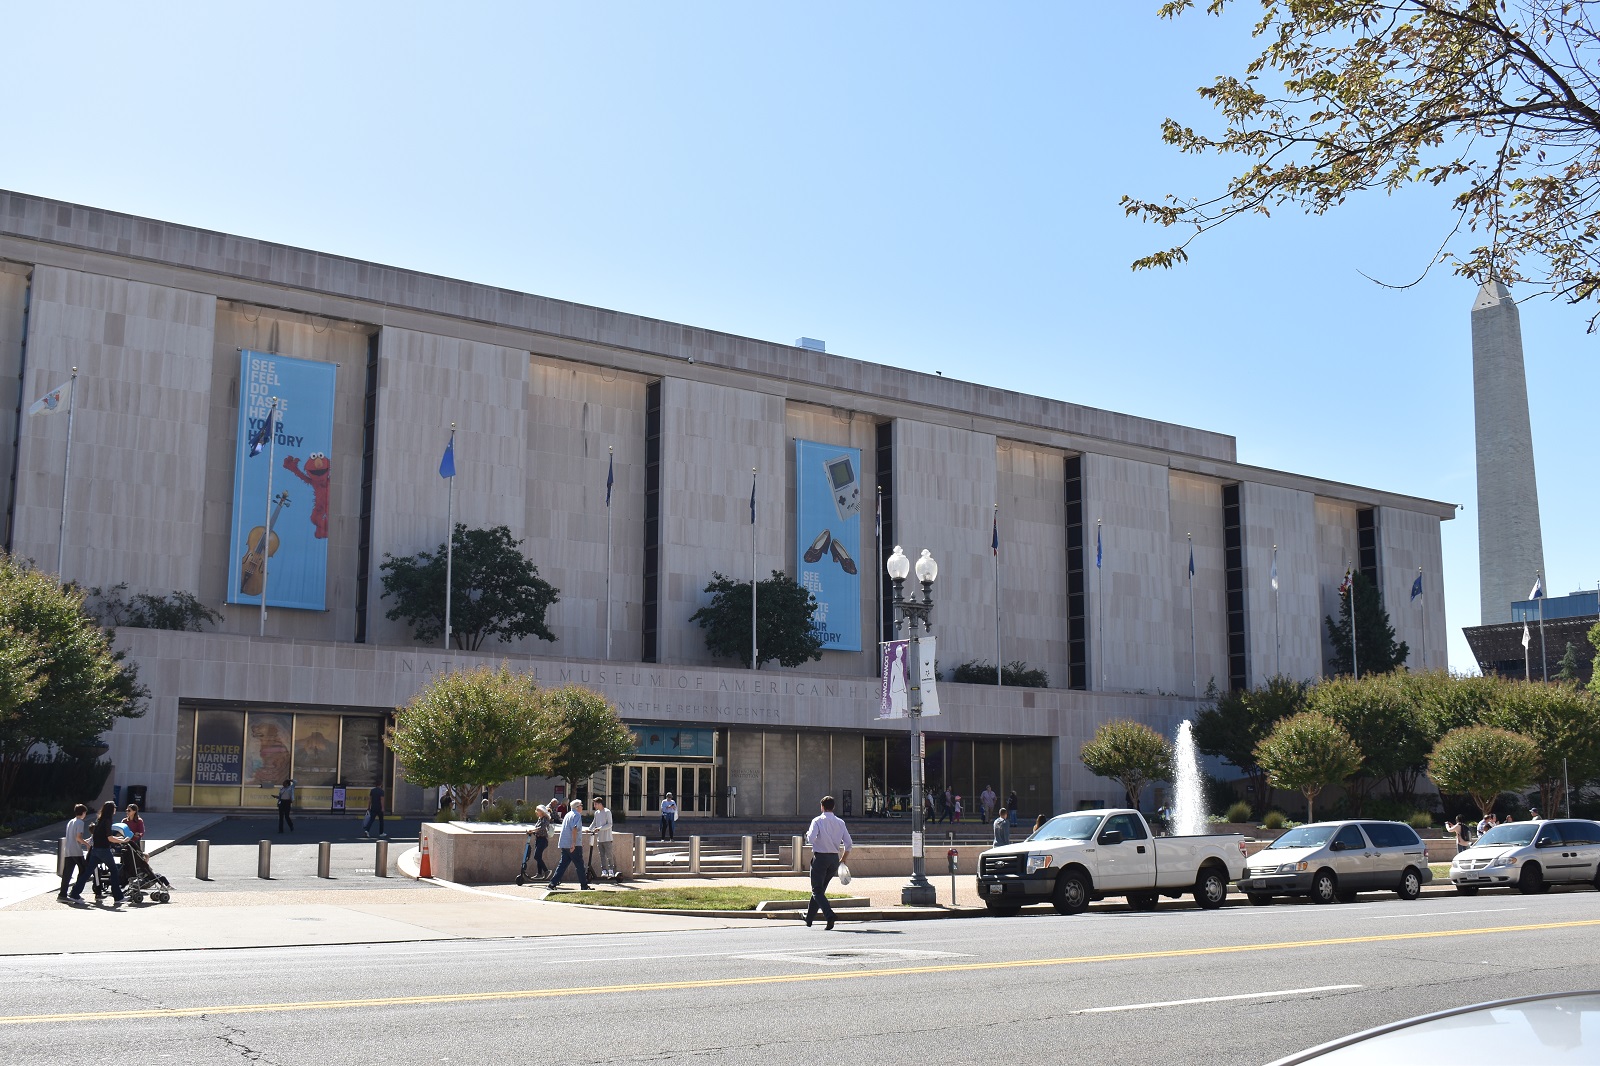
[{"x": 249, "y": 421}]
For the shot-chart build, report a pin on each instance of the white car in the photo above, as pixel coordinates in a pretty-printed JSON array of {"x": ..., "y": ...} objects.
[{"x": 1530, "y": 856}]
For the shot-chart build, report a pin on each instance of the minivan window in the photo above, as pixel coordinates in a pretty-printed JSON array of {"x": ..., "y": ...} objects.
[
  {"x": 1512, "y": 833},
  {"x": 1390, "y": 835},
  {"x": 1549, "y": 835},
  {"x": 1580, "y": 832},
  {"x": 1307, "y": 836},
  {"x": 1351, "y": 838}
]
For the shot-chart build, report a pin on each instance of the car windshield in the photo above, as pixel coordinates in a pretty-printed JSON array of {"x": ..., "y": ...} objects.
[
  {"x": 1307, "y": 836},
  {"x": 1518, "y": 833},
  {"x": 1068, "y": 827}
]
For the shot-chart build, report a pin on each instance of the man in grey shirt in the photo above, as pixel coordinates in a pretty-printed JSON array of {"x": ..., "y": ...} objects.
[
  {"x": 76, "y": 848},
  {"x": 830, "y": 845},
  {"x": 571, "y": 845},
  {"x": 1002, "y": 829}
]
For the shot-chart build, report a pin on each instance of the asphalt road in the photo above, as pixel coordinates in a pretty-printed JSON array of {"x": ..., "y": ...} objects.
[{"x": 1097, "y": 988}]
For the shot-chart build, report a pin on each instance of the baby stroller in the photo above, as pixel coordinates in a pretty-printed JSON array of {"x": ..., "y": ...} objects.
[{"x": 138, "y": 878}]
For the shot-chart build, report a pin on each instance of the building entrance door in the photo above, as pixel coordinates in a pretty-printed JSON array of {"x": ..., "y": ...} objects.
[{"x": 645, "y": 784}]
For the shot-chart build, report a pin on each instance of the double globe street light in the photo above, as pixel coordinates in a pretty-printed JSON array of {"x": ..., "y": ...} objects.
[{"x": 908, "y": 612}]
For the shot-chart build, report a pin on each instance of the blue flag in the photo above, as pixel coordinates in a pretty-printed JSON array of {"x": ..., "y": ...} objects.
[
  {"x": 1097, "y": 552},
  {"x": 877, "y": 523},
  {"x": 1538, "y": 589},
  {"x": 995, "y": 541},
  {"x": 1191, "y": 560},
  {"x": 752, "y": 499},
  {"x": 1416, "y": 586},
  {"x": 611, "y": 478},
  {"x": 264, "y": 434},
  {"x": 447, "y": 465}
]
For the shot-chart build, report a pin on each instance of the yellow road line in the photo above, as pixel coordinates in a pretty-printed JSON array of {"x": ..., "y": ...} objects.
[{"x": 771, "y": 979}]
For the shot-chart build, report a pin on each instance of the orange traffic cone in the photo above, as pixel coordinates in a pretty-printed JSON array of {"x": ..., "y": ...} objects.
[{"x": 423, "y": 867}]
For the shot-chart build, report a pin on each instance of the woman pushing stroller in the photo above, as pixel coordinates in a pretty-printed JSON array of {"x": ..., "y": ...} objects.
[{"x": 100, "y": 838}]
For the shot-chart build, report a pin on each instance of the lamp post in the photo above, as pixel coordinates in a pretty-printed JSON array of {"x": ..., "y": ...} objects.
[{"x": 908, "y": 612}]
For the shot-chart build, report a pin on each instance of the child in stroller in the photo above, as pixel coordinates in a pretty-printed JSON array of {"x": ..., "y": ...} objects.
[{"x": 139, "y": 879}]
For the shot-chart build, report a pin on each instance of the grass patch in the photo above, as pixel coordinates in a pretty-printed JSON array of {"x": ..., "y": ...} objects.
[
  {"x": 1441, "y": 870},
  {"x": 696, "y": 898}
]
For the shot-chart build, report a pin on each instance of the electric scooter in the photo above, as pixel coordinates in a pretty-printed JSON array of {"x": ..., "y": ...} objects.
[{"x": 527, "y": 853}]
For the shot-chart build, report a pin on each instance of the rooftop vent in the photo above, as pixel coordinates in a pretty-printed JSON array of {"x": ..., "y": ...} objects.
[{"x": 812, "y": 343}]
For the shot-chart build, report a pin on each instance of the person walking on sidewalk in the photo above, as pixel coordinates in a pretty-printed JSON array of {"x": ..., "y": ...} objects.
[
  {"x": 1002, "y": 829},
  {"x": 600, "y": 826},
  {"x": 571, "y": 845},
  {"x": 286, "y": 805},
  {"x": 1011, "y": 806},
  {"x": 102, "y": 835},
  {"x": 987, "y": 800},
  {"x": 374, "y": 811},
  {"x": 135, "y": 826},
  {"x": 541, "y": 837},
  {"x": 669, "y": 818},
  {"x": 830, "y": 845},
  {"x": 77, "y": 847}
]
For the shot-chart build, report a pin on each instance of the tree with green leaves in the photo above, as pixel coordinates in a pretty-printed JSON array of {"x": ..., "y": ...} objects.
[
  {"x": 1376, "y": 651},
  {"x": 472, "y": 730},
  {"x": 1563, "y": 722},
  {"x": 1571, "y": 666},
  {"x": 1381, "y": 718},
  {"x": 1482, "y": 762},
  {"x": 1232, "y": 727},
  {"x": 1494, "y": 102},
  {"x": 1445, "y": 702},
  {"x": 588, "y": 734},
  {"x": 495, "y": 591},
  {"x": 61, "y": 681},
  {"x": 1307, "y": 753},
  {"x": 1129, "y": 753},
  {"x": 784, "y": 628},
  {"x": 177, "y": 610}
]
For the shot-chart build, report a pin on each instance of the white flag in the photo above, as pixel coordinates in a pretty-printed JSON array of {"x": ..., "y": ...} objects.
[
  {"x": 1274, "y": 570},
  {"x": 1526, "y": 639},
  {"x": 51, "y": 401},
  {"x": 1538, "y": 586}
]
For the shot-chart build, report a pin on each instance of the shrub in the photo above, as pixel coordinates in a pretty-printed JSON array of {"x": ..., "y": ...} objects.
[
  {"x": 1240, "y": 812},
  {"x": 1421, "y": 820},
  {"x": 1015, "y": 674},
  {"x": 1275, "y": 820}
]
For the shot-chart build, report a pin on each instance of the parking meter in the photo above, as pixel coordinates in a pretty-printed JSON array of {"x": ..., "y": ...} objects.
[{"x": 953, "y": 857}]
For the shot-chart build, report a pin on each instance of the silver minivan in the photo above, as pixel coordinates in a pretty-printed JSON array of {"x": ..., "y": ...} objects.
[
  {"x": 1530, "y": 856},
  {"x": 1332, "y": 861}
]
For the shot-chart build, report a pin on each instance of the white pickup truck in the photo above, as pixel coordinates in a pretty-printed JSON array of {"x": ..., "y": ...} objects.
[{"x": 1080, "y": 857}]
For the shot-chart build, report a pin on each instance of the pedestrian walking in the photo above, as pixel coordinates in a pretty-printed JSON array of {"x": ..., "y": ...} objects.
[
  {"x": 374, "y": 811},
  {"x": 1002, "y": 829},
  {"x": 1486, "y": 823},
  {"x": 949, "y": 804},
  {"x": 541, "y": 837},
  {"x": 927, "y": 808},
  {"x": 102, "y": 835},
  {"x": 571, "y": 845},
  {"x": 830, "y": 845},
  {"x": 135, "y": 826},
  {"x": 600, "y": 826},
  {"x": 669, "y": 817},
  {"x": 1458, "y": 829},
  {"x": 76, "y": 846},
  {"x": 956, "y": 812},
  {"x": 286, "y": 805},
  {"x": 1011, "y": 806},
  {"x": 987, "y": 799}
]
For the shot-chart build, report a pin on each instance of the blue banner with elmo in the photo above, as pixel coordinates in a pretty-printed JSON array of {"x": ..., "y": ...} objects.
[{"x": 282, "y": 481}]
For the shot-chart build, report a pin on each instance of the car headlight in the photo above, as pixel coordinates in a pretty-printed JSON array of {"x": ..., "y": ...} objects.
[
  {"x": 1503, "y": 860},
  {"x": 1040, "y": 862},
  {"x": 1292, "y": 868}
]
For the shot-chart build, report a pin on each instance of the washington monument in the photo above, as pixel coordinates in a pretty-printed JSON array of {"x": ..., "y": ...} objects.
[{"x": 1510, "y": 547}]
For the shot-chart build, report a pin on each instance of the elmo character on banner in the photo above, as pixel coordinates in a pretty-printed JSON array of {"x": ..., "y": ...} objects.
[{"x": 316, "y": 474}]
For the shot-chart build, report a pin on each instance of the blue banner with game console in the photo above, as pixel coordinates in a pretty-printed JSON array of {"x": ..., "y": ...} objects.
[
  {"x": 282, "y": 482},
  {"x": 829, "y": 493}
]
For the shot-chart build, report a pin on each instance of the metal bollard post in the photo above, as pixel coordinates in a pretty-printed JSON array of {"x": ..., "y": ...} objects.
[
  {"x": 799, "y": 846},
  {"x": 745, "y": 865},
  {"x": 694, "y": 855},
  {"x": 380, "y": 862},
  {"x": 324, "y": 858},
  {"x": 61, "y": 856},
  {"x": 264, "y": 860},
  {"x": 202, "y": 860},
  {"x": 638, "y": 855}
]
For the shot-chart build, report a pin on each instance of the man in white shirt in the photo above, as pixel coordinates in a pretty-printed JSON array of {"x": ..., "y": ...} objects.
[
  {"x": 571, "y": 845},
  {"x": 669, "y": 818},
  {"x": 830, "y": 845},
  {"x": 77, "y": 847},
  {"x": 600, "y": 826}
]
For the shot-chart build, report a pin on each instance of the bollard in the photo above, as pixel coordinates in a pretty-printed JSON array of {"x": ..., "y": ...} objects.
[
  {"x": 61, "y": 856},
  {"x": 264, "y": 860},
  {"x": 638, "y": 855},
  {"x": 380, "y": 862},
  {"x": 202, "y": 860},
  {"x": 324, "y": 858},
  {"x": 798, "y": 844},
  {"x": 694, "y": 855},
  {"x": 745, "y": 865}
]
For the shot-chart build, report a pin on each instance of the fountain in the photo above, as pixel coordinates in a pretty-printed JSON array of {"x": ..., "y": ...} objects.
[{"x": 1189, "y": 814}]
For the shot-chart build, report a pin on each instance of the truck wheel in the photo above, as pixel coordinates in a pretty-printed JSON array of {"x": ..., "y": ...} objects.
[
  {"x": 1144, "y": 901},
  {"x": 1000, "y": 908},
  {"x": 1260, "y": 899},
  {"x": 1324, "y": 887},
  {"x": 1531, "y": 883},
  {"x": 1410, "y": 884},
  {"x": 1072, "y": 893},
  {"x": 1211, "y": 889}
]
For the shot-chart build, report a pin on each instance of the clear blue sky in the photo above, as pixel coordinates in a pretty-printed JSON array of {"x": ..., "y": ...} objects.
[{"x": 930, "y": 186}]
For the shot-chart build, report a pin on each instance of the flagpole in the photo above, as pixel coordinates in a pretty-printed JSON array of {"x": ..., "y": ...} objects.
[
  {"x": 449, "y": 534},
  {"x": 877, "y": 537},
  {"x": 1424, "y": 598},
  {"x": 1527, "y": 670},
  {"x": 1355, "y": 669},
  {"x": 1194, "y": 662},
  {"x": 755, "y": 664},
  {"x": 66, "y": 481},
  {"x": 1099, "y": 594},
  {"x": 611, "y": 458},
  {"x": 1277, "y": 620},
  {"x": 999, "y": 659},
  {"x": 266, "y": 521},
  {"x": 1544, "y": 660}
]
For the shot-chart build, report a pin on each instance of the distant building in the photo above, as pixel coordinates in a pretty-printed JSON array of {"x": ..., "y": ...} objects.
[{"x": 1567, "y": 620}]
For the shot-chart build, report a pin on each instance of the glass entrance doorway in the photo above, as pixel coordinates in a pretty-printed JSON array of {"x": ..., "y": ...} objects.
[{"x": 639, "y": 788}]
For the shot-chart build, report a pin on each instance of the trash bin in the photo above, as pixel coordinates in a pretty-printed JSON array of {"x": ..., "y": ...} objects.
[{"x": 136, "y": 794}]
